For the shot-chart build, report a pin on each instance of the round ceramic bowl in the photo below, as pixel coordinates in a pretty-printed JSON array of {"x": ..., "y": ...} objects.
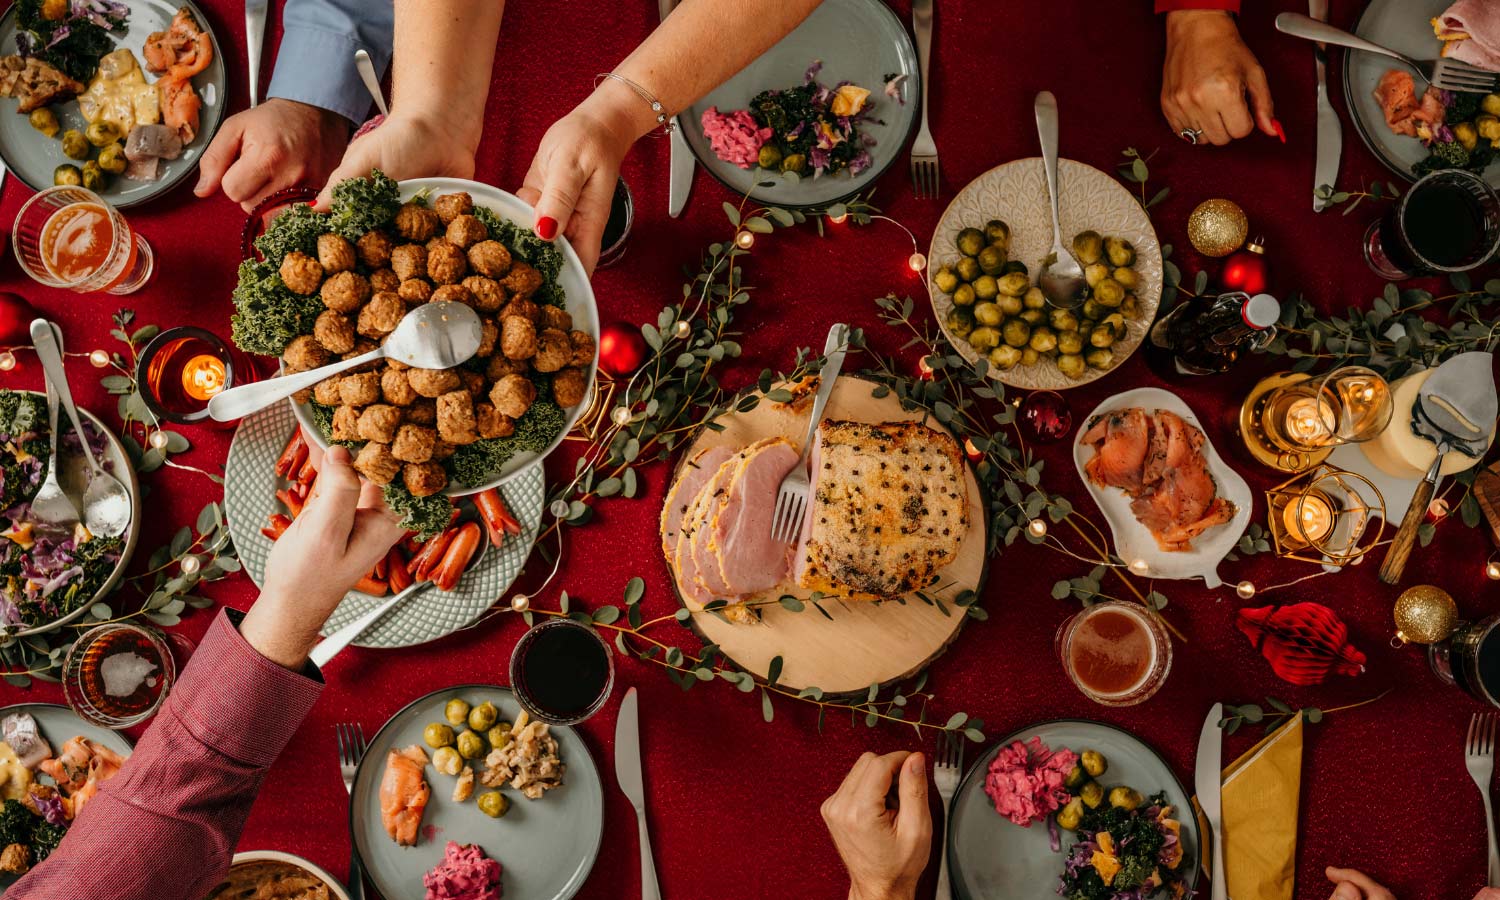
[{"x": 249, "y": 856}]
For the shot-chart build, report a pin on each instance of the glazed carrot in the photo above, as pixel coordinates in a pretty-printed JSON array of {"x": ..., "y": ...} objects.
[
  {"x": 277, "y": 527},
  {"x": 460, "y": 551},
  {"x": 371, "y": 585},
  {"x": 383, "y": 567},
  {"x": 307, "y": 473},
  {"x": 410, "y": 544},
  {"x": 421, "y": 565},
  {"x": 498, "y": 522},
  {"x": 396, "y": 563},
  {"x": 291, "y": 455},
  {"x": 291, "y": 501}
]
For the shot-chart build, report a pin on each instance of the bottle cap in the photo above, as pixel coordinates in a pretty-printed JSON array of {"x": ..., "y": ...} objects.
[{"x": 1261, "y": 311}]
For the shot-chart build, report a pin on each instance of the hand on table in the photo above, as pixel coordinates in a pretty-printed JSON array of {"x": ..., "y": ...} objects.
[
  {"x": 406, "y": 146},
  {"x": 342, "y": 533},
  {"x": 272, "y": 146},
  {"x": 1352, "y": 884},
  {"x": 885, "y": 850},
  {"x": 1207, "y": 75}
]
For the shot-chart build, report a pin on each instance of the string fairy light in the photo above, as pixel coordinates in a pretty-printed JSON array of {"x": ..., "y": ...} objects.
[
  {"x": 1492, "y": 567},
  {"x": 7, "y": 361},
  {"x": 99, "y": 358},
  {"x": 190, "y": 563},
  {"x": 1245, "y": 589},
  {"x": 159, "y": 440},
  {"x": 744, "y": 240},
  {"x": 1037, "y": 527}
]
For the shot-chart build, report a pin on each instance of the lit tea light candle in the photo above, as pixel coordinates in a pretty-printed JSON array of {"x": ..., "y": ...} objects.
[
  {"x": 203, "y": 376},
  {"x": 1309, "y": 421},
  {"x": 1308, "y": 519}
]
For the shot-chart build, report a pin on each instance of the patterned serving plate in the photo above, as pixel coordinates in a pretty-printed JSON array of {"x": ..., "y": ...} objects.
[
  {"x": 250, "y": 485},
  {"x": 1016, "y": 193}
]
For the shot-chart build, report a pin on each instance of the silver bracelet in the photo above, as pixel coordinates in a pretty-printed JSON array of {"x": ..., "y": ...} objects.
[{"x": 662, "y": 118}]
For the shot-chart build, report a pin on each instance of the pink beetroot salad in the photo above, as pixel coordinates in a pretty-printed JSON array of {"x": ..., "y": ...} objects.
[
  {"x": 464, "y": 874},
  {"x": 1026, "y": 780},
  {"x": 735, "y": 136}
]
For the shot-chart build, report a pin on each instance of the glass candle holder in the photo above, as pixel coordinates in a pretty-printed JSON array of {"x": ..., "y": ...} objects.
[
  {"x": 617, "y": 228},
  {"x": 1319, "y": 412},
  {"x": 1116, "y": 653},
  {"x": 562, "y": 671},
  {"x": 181, "y": 369},
  {"x": 118, "y": 674},
  {"x": 1324, "y": 516},
  {"x": 69, "y": 237}
]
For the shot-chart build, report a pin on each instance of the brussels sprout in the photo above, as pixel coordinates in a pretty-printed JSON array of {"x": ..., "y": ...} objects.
[
  {"x": 1071, "y": 816},
  {"x": 456, "y": 712},
  {"x": 1011, "y": 306},
  {"x": 499, "y": 736},
  {"x": 1093, "y": 309},
  {"x": 964, "y": 295},
  {"x": 997, "y": 233},
  {"x": 112, "y": 159},
  {"x": 1033, "y": 316},
  {"x": 1465, "y": 132},
  {"x": 1102, "y": 358},
  {"x": 1116, "y": 323},
  {"x": 45, "y": 121},
  {"x": 67, "y": 174},
  {"x": 1120, "y": 252},
  {"x": 469, "y": 745},
  {"x": 1030, "y": 357},
  {"x": 970, "y": 241},
  {"x": 984, "y": 339},
  {"x": 1016, "y": 332},
  {"x": 1095, "y": 273},
  {"x": 438, "y": 734},
  {"x": 1034, "y": 299},
  {"x": 493, "y": 804},
  {"x": 1063, "y": 320},
  {"x": 960, "y": 321},
  {"x": 1014, "y": 285},
  {"x": 1072, "y": 365},
  {"x": 945, "y": 279},
  {"x": 1102, "y": 336},
  {"x": 483, "y": 716},
  {"x": 1489, "y": 127},
  {"x": 1131, "y": 308},
  {"x": 1076, "y": 778},
  {"x": 985, "y": 287},
  {"x": 447, "y": 761},
  {"x": 1005, "y": 357},
  {"x": 1126, "y": 277},
  {"x": 74, "y": 144},
  {"x": 1085, "y": 327},
  {"x": 991, "y": 260},
  {"x": 1125, "y": 798},
  {"x": 1043, "y": 340},
  {"x": 93, "y": 177},
  {"x": 1069, "y": 342},
  {"x": 1094, "y": 763},
  {"x": 1088, "y": 247},
  {"x": 988, "y": 314},
  {"x": 1109, "y": 293},
  {"x": 102, "y": 134},
  {"x": 770, "y": 156},
  {"x": 967, "y": 268},
  {"x": 794, "y": 162},
  {"x": 1491, "y": 104},
  {"x": 1092, "y": 795},
  {"x": 1015, "y": 266}
]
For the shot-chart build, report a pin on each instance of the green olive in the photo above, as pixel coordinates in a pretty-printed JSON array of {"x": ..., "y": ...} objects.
[
  {"x": 1034, "y": 299},
  {"x": 93, "y": 177},
  {"x": 1127, "y": 277},
  {"x": 1120, "y": 252},
  {"x": 67, "y": 174},
  {"x": 1071, "y": 816},
  {"x": 985, "y": 287},
  {"x": 499, "y": 736},
  {"x": 483, "y": 716},
  {"x": 967, "y": 268},
  {"x": 1063, "y": 320},
  {"x": 1094, "y": 763},
  {"x": 964, "y": 295},
  {"x": 456, "y": 712},
  {"x": 997, "y": 233},
  {"x": 1125, "y": 798},
  {"x": 1071, "y": 365},
  {"x": 1015, "y": 284},
  {"x": 438, "y": 734},
  {"x": 960, "y": 322},
  {"x": 1011, "y": 306},
  {"x": 794, "y": 162},
  {"x": 945, "y": 279},
  {"x": 493, "y": 804},
  {"x": 45, "y": 121},
  {"x": 1101, "y": 358},
  {"x": 991, "y": 260},
  {"x": 970, "y": 241},
  {"x": 470, "y": 745},
  {"x": 102, "y": 134},
  {"x": 74, "y": 144},
  {"x": 1095, "y": 273},
  {"x": 1109, "y": 293},
  {"x": 770, "y": 156},
  {"x": 1091, "y": 794},
  {"x": 1069, "y": 342},
  {"x": 1005, "y": 357},
  {"x": 988, "y": 314},
  {"x": 1088, "y": 246},
  {"x": 112, "y": 159},
  {"x": 1016, "y": 332},
  {"x": 1042, "y": 339},
  {"x": 447, "y": 761},
  {"x": 984, "y": 339}
]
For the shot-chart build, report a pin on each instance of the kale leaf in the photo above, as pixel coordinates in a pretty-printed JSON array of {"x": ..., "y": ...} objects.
[
  {"x": 85, "y": 37},
  {"x": 363, "y": 204},
  {"x": 267, "y": 313},
  {"x": 16, "y": 823},
  {"x": 525, "y": 245},
  {"x": 474, "y": 464},
  {"x": 45, "y": 839},
  {"x": 296, "y": 230},
  {"x": 424, "y": 515}
]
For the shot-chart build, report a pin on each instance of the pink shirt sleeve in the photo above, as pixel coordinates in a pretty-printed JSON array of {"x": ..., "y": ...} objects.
[
  {"x": 165, "y": 827},
  {"x": 1172, "y": 5}
]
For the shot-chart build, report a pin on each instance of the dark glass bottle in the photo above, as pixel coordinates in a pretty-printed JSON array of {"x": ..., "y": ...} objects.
[{"x": 1201, "y": 337}]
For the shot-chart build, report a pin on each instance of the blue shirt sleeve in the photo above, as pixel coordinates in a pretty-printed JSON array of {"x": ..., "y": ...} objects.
[{"x": 315, "y": 63}]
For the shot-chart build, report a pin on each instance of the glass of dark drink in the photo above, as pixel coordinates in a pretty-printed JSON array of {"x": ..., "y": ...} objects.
[
  {"x": 1449, "y": 221},
  {"x": 118, "y": 673},
  {"x": 617, "y": 227},
  {"x": 1116, "y": 653},
  {"x": 562, "y": 671},
  {"x": 1470, "y": 659}
]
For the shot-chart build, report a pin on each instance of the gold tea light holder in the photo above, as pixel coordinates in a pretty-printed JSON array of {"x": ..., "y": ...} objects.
[
  {"x": 1253, "y": 430},
  {"x": 596, "y": 418},
  {"x": 1326, "y": 516}
]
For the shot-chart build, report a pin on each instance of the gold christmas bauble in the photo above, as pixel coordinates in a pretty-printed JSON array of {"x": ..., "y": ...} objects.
[
  {"x": 1425, "y": 615},
  {"x": 1218, "y": 227}
]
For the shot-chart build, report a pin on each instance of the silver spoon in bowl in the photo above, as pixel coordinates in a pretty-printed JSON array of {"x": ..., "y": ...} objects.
[
  {"x": 1061, "y": 279},
  {"x": 436, "y": 335}
]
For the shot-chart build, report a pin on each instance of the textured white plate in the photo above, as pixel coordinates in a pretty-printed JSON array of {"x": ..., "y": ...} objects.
[
  {"x": 250, "y": 485},
  {"x": 1133, "y": 540},
  {"x": 1016, "y": 193}
]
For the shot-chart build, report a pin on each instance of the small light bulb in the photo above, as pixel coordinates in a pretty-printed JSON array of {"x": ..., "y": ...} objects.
[
  {"x": 838, "y": 219},
  {"x": 559, "y": 508},
  {"x": 190, "y": 565},
  {"x": 972, "y": 451},
  {"x": 7, "y": 361},
  {"x": 1139, "y": 567},
  {"x": 99, "y": 358},
  {"x": 520, "y": 603},
  {"x": 744, "y": 240},
  {"x": 924, "y": 368},
  {"x": 682, "y": 329},
  {"x": 620, "y": 416},
  {"x": 917, "y": 261},
  {"x": 1492, "y": 571},
  {"x": 1437, "y": 510},
  {"x": 1038, "y": 528},
  {"x": 1245, "y": 590},
  {"x": 159, "y": 440}
]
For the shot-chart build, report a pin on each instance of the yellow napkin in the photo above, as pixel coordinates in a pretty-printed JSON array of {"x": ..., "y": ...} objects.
[{"x": 1260, "y": 796}]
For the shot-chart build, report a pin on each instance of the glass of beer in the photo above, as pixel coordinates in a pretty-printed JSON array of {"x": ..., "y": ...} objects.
[
  {"x": 1116, "y": 653},
  {"x": 117, "y": 674},
  {"x": 69, "y": 237}
]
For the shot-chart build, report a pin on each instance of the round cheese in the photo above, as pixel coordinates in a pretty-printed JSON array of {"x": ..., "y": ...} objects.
[{"x": 1401, "y": 452}]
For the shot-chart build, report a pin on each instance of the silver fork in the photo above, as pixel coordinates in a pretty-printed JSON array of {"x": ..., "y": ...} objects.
[
  {"x": 1479, "y": 756},
  {"x": 946, "y": 774},
  {"x": 791, "y": 497},
  {"x": 1443, "y": 74},
  {"x": 352, "y": 744},
  {"x": 924, "y": 155}
]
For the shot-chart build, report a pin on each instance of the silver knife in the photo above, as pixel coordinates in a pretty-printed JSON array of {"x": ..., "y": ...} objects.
[
  {"x": 680, "y": 169},
  {"x": 1330, "y": 132},
  {"x": 1209, "y": 783},
  {"x": 628, "y": 772},
  {"x": 255, "y": 35},
  {"x": 4, "y": 170}
]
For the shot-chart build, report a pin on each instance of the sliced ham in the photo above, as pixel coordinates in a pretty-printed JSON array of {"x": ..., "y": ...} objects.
[
  {"x": 696, "y": 473},
  {"x": 1478, "y": 22},
  {"x": 749, "y": 559}
]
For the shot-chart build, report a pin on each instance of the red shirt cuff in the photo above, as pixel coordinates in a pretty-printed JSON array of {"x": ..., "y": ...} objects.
[{"x": 1163, "y": 6}]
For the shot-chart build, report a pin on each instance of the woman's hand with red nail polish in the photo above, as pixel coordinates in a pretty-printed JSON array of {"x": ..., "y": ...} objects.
[
  {"x": 407, "y": 146},
  {"x": 1211, "y": 82}
]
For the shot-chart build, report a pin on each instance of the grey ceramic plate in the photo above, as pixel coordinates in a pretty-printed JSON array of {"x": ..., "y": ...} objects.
[
  {"x": 58, "y": 724},
  {"x": 1405, "y": 26},
  {"x": 990, "y": 858},
  {"x": 858, "y": 40},
  {"x": 32, "y": 155},
  {"x": 546, "y": 847},
  {"x": 250, "y": 485}
]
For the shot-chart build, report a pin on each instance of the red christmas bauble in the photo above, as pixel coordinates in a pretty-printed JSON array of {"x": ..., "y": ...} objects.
[
  {"x": 16, "y": 314},
  {"x": 621, "y": 348},
  {"x": 1246, "y": 270}
]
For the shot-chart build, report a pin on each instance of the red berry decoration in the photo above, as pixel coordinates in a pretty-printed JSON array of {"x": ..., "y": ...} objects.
[
  {"x": 1303, "y": 642},
  {"x": 621, "y": 348},
  {"x": 1045, "y": 417},
  {"x": 1246, "y": 270},
  {"x": 16, "y": 314}
]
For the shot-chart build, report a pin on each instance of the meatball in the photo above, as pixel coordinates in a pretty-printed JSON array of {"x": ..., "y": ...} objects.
[
  {"x": 413, "y": 443},
  {"x": 379, "y": 423},
  {"x": 301, "y": 273},
  {"x": 335, "y": 253},
  {"x": 520, "y": 306},
  {"x": 522, "y": 279},
  {"x": 415, "y": 291},
  {"x": 396, "y": 389},
  {"x": 416, "y": 222},
  {"x": 303, "y": 353},
  {"x": 569, "y": 387},
  {"x": 556, "y": 317},
  {"x": 489, "y": 258},
  {"x": 345, "y": 292},
  {"x": 493, "y": 423},
  {"x": 303, "y": 396},
  {"x": 384, "y": 280},
  {"x": 360, "y": 389},
  {"x": 422, "y": 412},
  {"x": 553, "y": 350},
  {"x": 334, "y": 331},
  {"x": 442, "y": 450},
  {"x": 583, "y": 348},
  {"x": 326, "y": 392},
  {"x": 424, "y": 479},
  {"x": 501, "y": 366},
  {"x": 346, "y": 424},
  {"x": 376, "y": 463},
  {"x": 451, "y": 206},
  {"x": 409, "y": 261},
  {"x": 488, "y": 295},
  {"x": 455, "y": 418},
  {"x": 361, "y": 347},
  {"x": 489, "y": 335},
  {"x": 446, "y": 264},
  {"x": 375, "y": 249},
  {"x": 474, "y": 382},
  {"x": 381, "y": 315},
  {"x": 453, "y": 293},
  {"x": 518, "y": 338},
  {"x": 513, "y": 395},
  {"x": 466, "y": 231},
  {"x": 433, "y": 382}
]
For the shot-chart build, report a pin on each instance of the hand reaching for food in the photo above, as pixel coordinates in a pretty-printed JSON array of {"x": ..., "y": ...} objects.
[
  {"x": 1211, "y": 82},
  {"x": 885, "y": 850},
  {"x": 404, "y": 147},
  {"x": 1352, "y": 884},
  {"x": 278, "y": 144}
]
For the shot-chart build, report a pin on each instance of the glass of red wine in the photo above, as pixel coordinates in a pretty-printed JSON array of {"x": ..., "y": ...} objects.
[
  {"x": 562, "y": 672},
  {"x": 1449, "y": 221}
]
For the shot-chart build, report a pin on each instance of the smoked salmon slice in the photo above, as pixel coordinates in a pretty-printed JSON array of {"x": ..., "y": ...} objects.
[
  {"x": 1122, "y": 442},
  {"x": 404, "y": 794}
]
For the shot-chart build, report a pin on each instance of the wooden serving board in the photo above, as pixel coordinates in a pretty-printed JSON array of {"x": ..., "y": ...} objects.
[{"x": 859, "y": 643}]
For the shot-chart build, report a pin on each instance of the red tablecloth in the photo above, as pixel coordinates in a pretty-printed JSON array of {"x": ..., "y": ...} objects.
[{"x": 734, "y": 801}]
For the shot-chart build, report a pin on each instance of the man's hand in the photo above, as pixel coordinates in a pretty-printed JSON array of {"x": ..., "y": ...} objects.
[
  {"x": 275, "y": 145},
  {"x": 408, "y": 147},
  {"x": 885, "y": 850},
  {"x": 1207, "y": 75},
  {"x": 1351, "y": 884}
]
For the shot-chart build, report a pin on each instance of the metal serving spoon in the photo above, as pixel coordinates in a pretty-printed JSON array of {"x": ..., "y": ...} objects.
[
  {"x": 432, "y": 336},
  {"x": 1061, "y": 279},
  {"x": 106, "y": 502},
  {"x": 51, "y": 504}
]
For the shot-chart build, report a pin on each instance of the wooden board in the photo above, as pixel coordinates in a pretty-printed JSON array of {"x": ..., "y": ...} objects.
[{"x": 862, "y": 643}]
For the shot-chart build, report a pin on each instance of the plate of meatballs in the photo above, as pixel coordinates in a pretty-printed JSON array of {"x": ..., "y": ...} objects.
[{"x": 444, "y": 431}]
